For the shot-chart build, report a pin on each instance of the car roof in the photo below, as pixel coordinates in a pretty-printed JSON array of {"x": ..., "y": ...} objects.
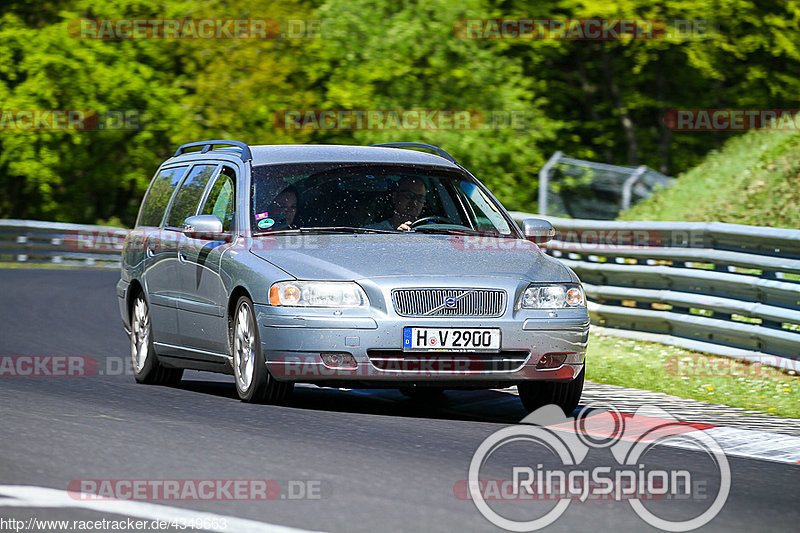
[{"x": 326, "y": 153}]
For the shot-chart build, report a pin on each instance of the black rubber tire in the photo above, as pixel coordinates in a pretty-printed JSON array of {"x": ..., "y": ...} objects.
[
  {"x": 263, "y": 388},
  {"x": 152, "y": 371},
  {"x": 536, "y": 394}
]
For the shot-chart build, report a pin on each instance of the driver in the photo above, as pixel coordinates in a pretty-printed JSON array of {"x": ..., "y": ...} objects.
[{"x": 408, "y": 200}]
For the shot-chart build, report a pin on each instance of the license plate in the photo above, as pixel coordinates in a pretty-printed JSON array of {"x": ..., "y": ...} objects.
[{"x": 451, "y": 339}]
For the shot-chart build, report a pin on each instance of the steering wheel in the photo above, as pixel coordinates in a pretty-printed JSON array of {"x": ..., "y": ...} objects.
[{"x": 428, "y": 220}]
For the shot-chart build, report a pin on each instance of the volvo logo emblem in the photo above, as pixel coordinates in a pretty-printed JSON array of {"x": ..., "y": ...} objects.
[{"x": 450, "y": 302}]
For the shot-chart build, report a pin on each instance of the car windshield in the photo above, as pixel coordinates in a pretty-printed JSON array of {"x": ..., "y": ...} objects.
[{"x": 372, "y": 198}]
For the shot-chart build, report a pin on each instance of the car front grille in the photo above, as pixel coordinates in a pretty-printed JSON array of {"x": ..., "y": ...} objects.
[
  {"x": 463, "y": 302},
  {"x": 429, "y": 363}
]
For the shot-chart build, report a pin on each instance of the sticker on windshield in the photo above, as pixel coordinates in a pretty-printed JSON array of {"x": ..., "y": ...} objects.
[
  {"x": 266, "y": 223},
  {"x": 262, "y": 216}
]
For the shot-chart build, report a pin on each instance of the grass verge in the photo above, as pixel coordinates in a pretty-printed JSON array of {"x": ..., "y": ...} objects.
[
  {"x": 694, "y": 375},
  {"x": 753, "y": 179}
]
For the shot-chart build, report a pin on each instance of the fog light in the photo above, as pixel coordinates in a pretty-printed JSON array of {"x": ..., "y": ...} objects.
[
  {"x": 552, "y": 360},
  {"x": 339, "y": 360}
]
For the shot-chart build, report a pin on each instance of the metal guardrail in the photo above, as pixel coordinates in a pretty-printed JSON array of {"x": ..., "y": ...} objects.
[
  {"x": 713, "y": 284},
  {"x": 34, "y": 242},
  {"x": 725, "y": 284}
]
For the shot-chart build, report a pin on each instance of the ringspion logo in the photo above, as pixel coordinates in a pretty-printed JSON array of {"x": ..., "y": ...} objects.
[{"x": 554, "y": 448}]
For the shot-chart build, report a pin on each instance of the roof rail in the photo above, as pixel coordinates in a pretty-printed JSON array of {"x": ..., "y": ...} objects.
[
  {"x": 419, "y": 145},
  {"x": 209, "y": 145}
]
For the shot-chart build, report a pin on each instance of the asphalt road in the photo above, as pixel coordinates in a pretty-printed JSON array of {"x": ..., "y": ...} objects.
[{"x": 374, "y": 460}]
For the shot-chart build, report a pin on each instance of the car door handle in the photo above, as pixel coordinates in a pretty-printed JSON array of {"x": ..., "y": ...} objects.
[
  {"x": 181, "y": 257},
  {"x": 149, "y": 251}
]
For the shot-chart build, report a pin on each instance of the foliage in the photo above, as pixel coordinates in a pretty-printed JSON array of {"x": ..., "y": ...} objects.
[
  {"x": 601, "y": 100},
  {"x": 754, "y": 179}
]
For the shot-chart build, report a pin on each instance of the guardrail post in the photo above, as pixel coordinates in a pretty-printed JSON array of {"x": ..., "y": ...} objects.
[
  {"x": 544, "y": 174},
  {"x": 627, "y": 187}
]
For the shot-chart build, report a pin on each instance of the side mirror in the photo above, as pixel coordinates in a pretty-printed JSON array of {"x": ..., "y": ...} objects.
[
  {"x": 538, "y": 230},
  {"x": 203, "y": 227}
]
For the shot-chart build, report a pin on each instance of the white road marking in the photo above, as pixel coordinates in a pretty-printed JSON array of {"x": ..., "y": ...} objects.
[
  {"x": 757, "y": 444},
  {"x": 29, "y": 496},
  {"x": 735, "y": 442}
]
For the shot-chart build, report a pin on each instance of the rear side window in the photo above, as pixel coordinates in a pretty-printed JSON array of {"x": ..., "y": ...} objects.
[
  {"x": 158, "y": 196},
  {"x": 189, "y": 195},
  {"x": 221, "y": 200}
]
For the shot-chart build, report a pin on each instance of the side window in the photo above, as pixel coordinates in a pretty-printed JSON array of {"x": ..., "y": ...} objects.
[
  {"x": 157, "y": 198},
  {"x": 487, "y": 215},
  {"x": 221, "y": 200},
  {"x": 188, "y": 197}
]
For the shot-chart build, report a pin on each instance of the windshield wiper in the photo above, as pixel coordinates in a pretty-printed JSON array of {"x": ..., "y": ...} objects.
[
  {"x": 449, "y": 230},
  {"x": 328, "y": 229}
]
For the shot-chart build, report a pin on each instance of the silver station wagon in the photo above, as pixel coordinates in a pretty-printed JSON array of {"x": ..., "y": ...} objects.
[{"x": 345, "y": 266}]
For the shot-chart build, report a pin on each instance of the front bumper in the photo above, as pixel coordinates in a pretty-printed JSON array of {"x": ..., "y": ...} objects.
[{"x": 294, "y": 340}]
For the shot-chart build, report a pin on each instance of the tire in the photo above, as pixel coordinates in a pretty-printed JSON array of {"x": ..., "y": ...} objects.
[
  {"x": 146, "y": 367},
  {"x": 423, "y": 394},
  {"x": 536, "y": 394},
  {"x": 254, "y": 383}
]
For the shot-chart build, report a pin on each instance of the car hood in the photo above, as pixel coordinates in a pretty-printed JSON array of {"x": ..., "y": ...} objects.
[{"x": 352, "y": 257}]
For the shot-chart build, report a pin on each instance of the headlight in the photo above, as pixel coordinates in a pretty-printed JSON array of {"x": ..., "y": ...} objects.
[
  {"x": 317, "y": 294},
  {"x": 553, "y": 296}
]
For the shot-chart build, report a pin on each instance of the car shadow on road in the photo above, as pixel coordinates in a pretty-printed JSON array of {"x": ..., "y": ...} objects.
[{"x": 475, "y": 405}]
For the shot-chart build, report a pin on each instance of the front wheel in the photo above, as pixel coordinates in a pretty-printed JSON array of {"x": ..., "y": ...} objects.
[
  {"x": 254, "y": 383},
  {"x": 146, "y": 366},
  {"x": 536, "y": 394}
]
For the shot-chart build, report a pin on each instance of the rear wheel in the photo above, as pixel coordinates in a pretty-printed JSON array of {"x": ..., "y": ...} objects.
[
  {"x": 254, "y": 383},
  {"x": 536, "y": 394},
  {"x": 146, "y": 366}
]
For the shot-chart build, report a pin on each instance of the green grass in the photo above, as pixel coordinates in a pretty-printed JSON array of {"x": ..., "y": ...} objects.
[
  {"x": 753, "y": 179},
  {"x": 688, "y": 374}
]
